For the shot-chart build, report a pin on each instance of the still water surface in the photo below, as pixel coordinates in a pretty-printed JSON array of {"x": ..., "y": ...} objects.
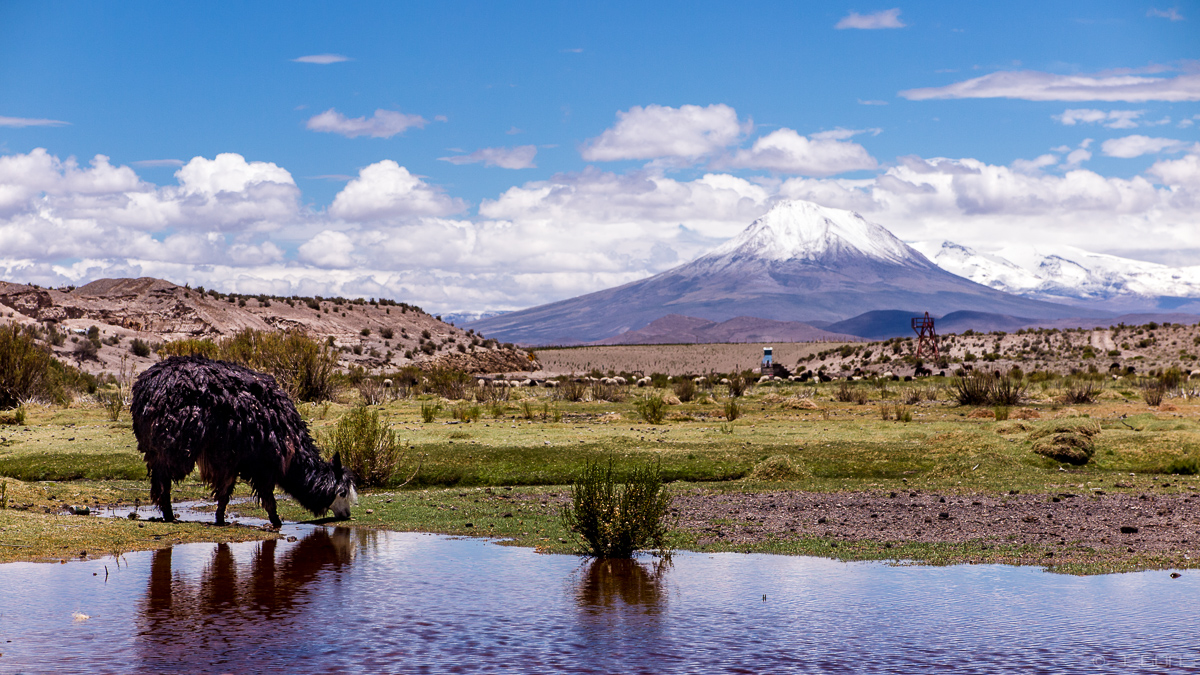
[{"x": 359, "y": 601}]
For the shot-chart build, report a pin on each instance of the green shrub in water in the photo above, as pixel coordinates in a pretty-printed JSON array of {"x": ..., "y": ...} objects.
[{"x": 615, "y": 520}]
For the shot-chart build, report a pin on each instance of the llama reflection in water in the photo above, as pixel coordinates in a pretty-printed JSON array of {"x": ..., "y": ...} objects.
[{"x": 250, "y": 603}]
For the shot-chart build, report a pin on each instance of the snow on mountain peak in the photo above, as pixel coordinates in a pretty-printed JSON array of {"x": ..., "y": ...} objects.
[{"x": 807, "y": 231}]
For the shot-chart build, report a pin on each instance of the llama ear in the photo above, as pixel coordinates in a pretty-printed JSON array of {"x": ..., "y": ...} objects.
[{"x": 337, "y": 462}]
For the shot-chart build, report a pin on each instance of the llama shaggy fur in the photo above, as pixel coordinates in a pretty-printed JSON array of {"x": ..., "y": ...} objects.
[{"x": 232, "y": 422}]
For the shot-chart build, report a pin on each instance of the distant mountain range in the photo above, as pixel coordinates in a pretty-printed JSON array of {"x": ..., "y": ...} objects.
[
  {"x": 1073, "y": 276},
  {"x": 679, "y": 329},
  {"x": 800, "y": 262}
]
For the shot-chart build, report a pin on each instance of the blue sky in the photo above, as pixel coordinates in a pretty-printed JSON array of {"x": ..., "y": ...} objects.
[{"x": 481, "y": 156}]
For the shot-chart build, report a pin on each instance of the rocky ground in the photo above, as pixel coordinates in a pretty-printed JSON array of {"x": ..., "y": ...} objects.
[{"x": 1082, "y": 526}]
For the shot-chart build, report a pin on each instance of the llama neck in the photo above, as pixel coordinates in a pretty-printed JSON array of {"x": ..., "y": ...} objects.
[{"x": 310, "y": 480}]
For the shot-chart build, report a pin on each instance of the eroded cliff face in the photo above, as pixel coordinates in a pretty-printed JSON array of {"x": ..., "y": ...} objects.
[{"x": 157, "y": 311}]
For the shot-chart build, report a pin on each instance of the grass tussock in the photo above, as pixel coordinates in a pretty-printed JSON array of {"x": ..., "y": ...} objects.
[
  {"x": 777, "y": 468},
  {"x": 653, "y": 409}
]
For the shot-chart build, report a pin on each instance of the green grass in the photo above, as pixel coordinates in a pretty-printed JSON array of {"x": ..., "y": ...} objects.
[{"x": 839, "y": 446}]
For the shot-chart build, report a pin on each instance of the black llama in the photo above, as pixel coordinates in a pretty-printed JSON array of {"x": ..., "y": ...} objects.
[{"x": 231, "y": 421}]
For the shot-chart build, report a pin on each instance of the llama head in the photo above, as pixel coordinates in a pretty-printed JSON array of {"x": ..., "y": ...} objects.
[{"x": 344, "y": 496}]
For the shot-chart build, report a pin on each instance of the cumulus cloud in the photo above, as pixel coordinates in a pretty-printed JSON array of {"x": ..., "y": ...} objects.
[
  {"x": 1036, "y": 164},
  {"x": 520, "y": 157},
  {"x": 1038, "y": 86},
  {"x": 20, "y": 122},
  {"x": 822, "y": 154},
  {"x": 386, "y": 190},
  {"x": 655, "y": 131},
  {"x": 888, "y": 18},
  {"x": 1137, "y": 145},
  {"x": 328, "y": 249},
  {"x": 1113, "y": 119},
  {"x": 383, "y": 124},
  {"x": 322, "y": 59}
]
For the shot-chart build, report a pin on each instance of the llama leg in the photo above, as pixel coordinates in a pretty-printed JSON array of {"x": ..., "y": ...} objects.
[
  {"x": 222, "y": 502},
  {"x": 268, "y": 502},
  {"x": 160, "y": 493}
]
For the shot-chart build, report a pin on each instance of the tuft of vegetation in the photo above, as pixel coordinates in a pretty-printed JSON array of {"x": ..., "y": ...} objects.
[
  {"x": 570, "y": 390},
  {"x": 1184, "y": 466},
  {"x": 732, "y": 410},
  {"x": 368, "y": 446},
  {"x": 1070, "y": 441},
  {"x": 616, "y": 521},
  {"x": 653, "y": 409},
  {"x": 1078, "y": 391},
  {"x": 113, "y": 402},
  {"x": 1153, "y": 392},
  {"x": 465, "y": 412},
  {"x": 777, "y": 468},
  {"x": 429, "y": 411},
  {"x": 981, "y": 388},
  {"x": 685, "y": 389},
  {"x": 737, "y": 385},
  {"x": 139, "y": 347}
]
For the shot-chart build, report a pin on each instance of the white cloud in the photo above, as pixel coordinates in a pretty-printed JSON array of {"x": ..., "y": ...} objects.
[
  {"x": 228, "y": 172},
  {"x": 1183, "y": 172},
  {"x": 383, "y": 124},
  {"x": 871, "y": 102},
  {"x": 322, "y": 59},
  {"x": 786, "y": 151},
  {"x": 20, "y": 122},
  {"x": 1172, "y": 13},
  {"x": 1078, "y": 156},
  {"x": 328, "y": 249},
  {"x": 520, "y": 157},
  {"x": 888, "y": 18},
  {"x": 386, "y": 190},
  {"x": 1137, "y": 145},
  {"x": 1034, "y": 165},
  {"x": 1038, "y": 86},
  {"x": 1113, "y": 119},
  {"x": 655, "y": 132}
]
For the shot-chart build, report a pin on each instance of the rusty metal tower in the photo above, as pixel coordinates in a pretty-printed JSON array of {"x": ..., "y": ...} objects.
[{"x": 927, "y": 345}]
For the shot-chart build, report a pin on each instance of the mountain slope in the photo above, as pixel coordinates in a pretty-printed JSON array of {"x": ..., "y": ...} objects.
[
  {"x": 798, "y": 262},
  {"x": 678, "y": 329},
  {"x": 1073, "y": 276}
]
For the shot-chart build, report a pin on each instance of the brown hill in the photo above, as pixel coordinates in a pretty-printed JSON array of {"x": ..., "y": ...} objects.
[
  {"x": 680, "y": 329},
  {"x": 374, "y": 335}
]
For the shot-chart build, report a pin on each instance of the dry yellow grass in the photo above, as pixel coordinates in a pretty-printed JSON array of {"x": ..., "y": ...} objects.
[{"x": 673, "y": 359}]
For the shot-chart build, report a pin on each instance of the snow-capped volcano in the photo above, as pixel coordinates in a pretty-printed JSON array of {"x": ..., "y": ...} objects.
[
  {"x": 1071, "y": 275},
  {"x": 799, "y": 230},
  {"x": 798, "y": 262}
]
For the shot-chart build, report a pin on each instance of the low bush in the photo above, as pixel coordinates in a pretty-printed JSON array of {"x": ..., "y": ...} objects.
[
  {"x": 613, "y": 393},
  {"x": 571, "y": 390},
  {"x": 465, "y": 412},
  {"x": 24, "y": 367},
  {"x": 113, "y": 402},
  {"x": 737, "y": 385},
  {"x": 980, "y": 388},
  {"x": 448, "y": 383},
  {"x": 368, "y": 447},
  {"x": 616, "y": 520},
  {"x": 1078, "y": 391},
  {"x": 685, "y": 389},
  {"x": 139, "y": 347},
  {"x": 1153, "y": 392},
  {"x": 732, "y": 410},
  {"x": 653, "y": 409},
  {"x": 429, "y": 411}
]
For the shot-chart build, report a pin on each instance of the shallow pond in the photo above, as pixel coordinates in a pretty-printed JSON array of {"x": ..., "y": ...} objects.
[{"x": 360, "y": 601}]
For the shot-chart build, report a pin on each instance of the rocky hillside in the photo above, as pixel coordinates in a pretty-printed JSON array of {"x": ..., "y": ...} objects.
[{"x": 372, "y": 334}]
